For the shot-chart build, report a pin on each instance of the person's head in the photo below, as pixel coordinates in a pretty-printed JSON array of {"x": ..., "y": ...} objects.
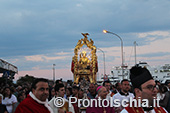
[
  {"x": 96, "y": 85},
  {"x": 118, "y": 86},
  {"x": 92, "y": 89},
  {"x": 113, "y": 87},
  {"x": 21, "y": 96},
  {"x": 69, "y": 91},
  {"x": 7, "y": 92},
  {"x": 75, "y": 90},
  {"x": 80, "y": 94},
  {"x": 162, "y": 89},
  {"x": 59, "y": 81},
  {"x": 125, "y": 85},
  {"x": 168, "y": 84},
  {"x": 18, "y": 88},
  {"x": 143, "y": 83},
  {"x": 107, "y": 85},
  {"x": 40, "y": 89},
  {"x": 52, "y": 92},
  {"x": 60, "y": 90},
  {"x": 102, "y": 92}
]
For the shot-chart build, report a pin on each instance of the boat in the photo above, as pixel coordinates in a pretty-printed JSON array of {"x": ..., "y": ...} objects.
[{"x": 160, "y": 73}]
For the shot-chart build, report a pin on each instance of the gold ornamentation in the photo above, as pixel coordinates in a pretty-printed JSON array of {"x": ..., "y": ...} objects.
[{"x": 82, "y": 66}]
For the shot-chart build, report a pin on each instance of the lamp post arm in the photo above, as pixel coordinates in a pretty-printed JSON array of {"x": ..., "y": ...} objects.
[
  {"x": 121, "y": 44},
  {"x": 105, "y": 31}
]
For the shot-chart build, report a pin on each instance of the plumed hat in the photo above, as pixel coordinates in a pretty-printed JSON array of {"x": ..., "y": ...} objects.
[{"x": 139, "y": 75}]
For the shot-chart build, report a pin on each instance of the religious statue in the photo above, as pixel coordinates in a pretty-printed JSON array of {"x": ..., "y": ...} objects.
[
  {"x": 83, "y": 66},
  {"x": 84, "y": 62}
]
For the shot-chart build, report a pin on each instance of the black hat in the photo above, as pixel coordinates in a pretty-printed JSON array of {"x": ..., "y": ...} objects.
[{"x": 139, "y": 75}]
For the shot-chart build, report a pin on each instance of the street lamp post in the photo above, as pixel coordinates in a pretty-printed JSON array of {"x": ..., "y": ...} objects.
[
  {"x": 103, "y": 60},
  {"x": 105, "y": 31},
  {"x": 54, "y": 73}
]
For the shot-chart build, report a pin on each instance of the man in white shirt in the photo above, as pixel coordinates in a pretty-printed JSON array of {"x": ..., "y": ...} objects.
[{"x": 123, "y": 94}]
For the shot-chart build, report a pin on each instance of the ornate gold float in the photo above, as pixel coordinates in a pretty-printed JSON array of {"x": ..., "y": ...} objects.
[{"x": 84, "y": 62}]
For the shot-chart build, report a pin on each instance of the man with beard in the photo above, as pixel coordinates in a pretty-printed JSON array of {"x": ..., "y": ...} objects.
[
  {"x": 144, "y": 88},
  {"x": 36, "y": 101},
  {"x": 124, "y": 94},
  {"x": 60, "y": 91}
]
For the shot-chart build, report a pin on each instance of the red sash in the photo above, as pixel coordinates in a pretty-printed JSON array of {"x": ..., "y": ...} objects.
[{"x": 140, "y": 110}]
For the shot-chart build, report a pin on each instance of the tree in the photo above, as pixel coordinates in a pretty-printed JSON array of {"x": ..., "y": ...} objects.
[{"x": 26, "y": 79}]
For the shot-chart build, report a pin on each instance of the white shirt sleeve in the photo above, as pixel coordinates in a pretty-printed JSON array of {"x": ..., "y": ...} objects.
[{"x": 14, "y": 99}]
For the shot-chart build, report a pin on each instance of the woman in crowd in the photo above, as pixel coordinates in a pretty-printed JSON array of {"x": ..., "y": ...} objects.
[{"x": 8, "y": 99}]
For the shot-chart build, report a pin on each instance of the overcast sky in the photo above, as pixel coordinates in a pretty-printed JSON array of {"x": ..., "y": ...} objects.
[{"x": 36, "y": 34}]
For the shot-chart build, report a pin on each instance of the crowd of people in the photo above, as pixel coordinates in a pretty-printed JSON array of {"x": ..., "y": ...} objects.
[{"x": 40, "y": 97}]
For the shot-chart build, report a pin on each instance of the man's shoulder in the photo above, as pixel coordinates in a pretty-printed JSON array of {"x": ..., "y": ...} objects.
[
  {"x": 25, "y": 106},
  {"x": 116, "y": 95},
  {"x": 131, "y": 94},
  {"x": 26, "y": 101},
  {"x": 13, "y": 96}
]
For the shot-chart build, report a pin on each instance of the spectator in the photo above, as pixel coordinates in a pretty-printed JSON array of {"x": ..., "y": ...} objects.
[
  {"x": 113, "y": 89},
  {"x": 75, "y": 90},
  {"x": 118, "y": 87},
  {"x": 51, "y": 93},
  {"x": 2, "y": 107},
  {"x": 163, "y": 95},
  {"x": 20, "y": 98},
  {"x": 9, "y": 99},
  {"x": 68, "y": 92}
]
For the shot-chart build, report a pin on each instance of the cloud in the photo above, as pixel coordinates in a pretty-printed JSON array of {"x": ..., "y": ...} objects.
[
  {"x": 41, "y": 58},
  {"x": 154, "y": 33}
]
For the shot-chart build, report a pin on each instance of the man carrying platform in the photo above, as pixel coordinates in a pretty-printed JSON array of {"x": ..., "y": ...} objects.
[{"x": 145, "y": 89}]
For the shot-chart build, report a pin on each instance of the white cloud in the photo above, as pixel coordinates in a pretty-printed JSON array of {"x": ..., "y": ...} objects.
[
  {"x": 41, "y": 58},
  {"x": 36, "y": 58},
  {"x": 62, "y": 53},
  {"x": 154, "y": 33}
]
